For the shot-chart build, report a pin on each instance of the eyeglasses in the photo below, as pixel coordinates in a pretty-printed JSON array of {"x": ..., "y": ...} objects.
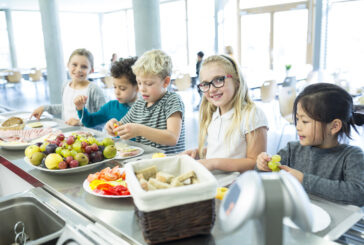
[{"x": 217, "y": 82}]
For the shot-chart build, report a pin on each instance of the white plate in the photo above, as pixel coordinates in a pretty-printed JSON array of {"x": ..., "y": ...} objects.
[
  {"x": 118, "y": 155},
  {"x": 321, "y": 219},
  {"x": 45, "y": 124},
  {"x": 67, "y": 170},
  {"x": 86, "y": 187},
  {"x": 14, "y": 145}
]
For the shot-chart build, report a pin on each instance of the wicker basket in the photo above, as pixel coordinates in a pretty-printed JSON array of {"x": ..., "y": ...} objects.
[
  {"x": 173, "y": 213},
  {"x": 177, "y": 222}
]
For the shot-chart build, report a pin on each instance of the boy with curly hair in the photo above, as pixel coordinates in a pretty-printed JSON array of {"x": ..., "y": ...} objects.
[{"x": 125, "y": 89}]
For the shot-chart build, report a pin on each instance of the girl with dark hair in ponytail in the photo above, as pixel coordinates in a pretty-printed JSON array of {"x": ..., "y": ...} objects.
[{"x": 324, "y": 113}]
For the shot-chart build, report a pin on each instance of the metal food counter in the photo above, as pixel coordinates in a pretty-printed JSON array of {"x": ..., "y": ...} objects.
[{"x": 118, "y": 216}]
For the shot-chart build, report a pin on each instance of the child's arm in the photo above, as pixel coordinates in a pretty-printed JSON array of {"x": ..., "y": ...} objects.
[
  {"x": 256, "y": 143},
  {"x": 92, "y": 119},
  {"x": 169, "y": 136},
  {"x": 194, "y": 153},
  {"x": 262, "y": 162},
  {"x": 348, "y": 189}
]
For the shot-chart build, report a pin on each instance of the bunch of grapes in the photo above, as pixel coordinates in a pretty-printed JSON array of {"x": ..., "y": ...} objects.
[{"x": 274, "y": 163}]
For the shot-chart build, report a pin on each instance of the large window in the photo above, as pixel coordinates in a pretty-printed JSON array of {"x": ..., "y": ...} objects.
[
  {"x": 345, "y": 49},
  {"x": 28, "y": 39},
  {"x": 272, "y": 37},
  {"x": 118, "y": 34},
  {"x": 81, "y": 30}
]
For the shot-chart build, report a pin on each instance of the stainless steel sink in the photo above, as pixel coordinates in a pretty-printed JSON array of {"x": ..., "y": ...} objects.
[{"x": 40, "y": 223}]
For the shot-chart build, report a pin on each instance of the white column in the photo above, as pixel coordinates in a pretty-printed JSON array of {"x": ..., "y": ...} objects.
[
  {"x": 9, "y": 26},
  {"x": 56, "y": 74},
  {"x": 146, "y": 25}
]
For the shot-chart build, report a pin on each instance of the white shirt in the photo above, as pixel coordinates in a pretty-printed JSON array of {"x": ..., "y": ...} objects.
[
  {"x": 69, "y": 108},
  {"x": 218, "y": 147}
]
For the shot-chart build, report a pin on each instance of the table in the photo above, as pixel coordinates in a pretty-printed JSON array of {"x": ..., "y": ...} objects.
[{"x": 118, "y": 214}]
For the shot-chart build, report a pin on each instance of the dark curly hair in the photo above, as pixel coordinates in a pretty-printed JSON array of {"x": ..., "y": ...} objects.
[{"x": 122, "y": 67}]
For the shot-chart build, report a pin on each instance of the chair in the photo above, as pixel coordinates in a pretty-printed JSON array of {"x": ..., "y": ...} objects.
[
  {"x": 287, "y": 95},
  {"x": 36, "y": 75},
  {"x": 14, "y": 77},
  {"x": 183, "y": 83},
  {"x": 268, "y": 91}
]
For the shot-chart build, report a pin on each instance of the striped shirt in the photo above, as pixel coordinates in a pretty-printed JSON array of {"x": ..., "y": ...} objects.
[{"x": 156, "y": 116}]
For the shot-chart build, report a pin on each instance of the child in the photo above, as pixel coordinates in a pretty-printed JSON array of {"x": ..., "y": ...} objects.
[
  {"x": 125, "y": 89},
  {"x": 156, "y": 119},
  {"x": 80, "y": 65},
  {"x": 326, "y": 168},
  {"x": 233, "y": 128}
]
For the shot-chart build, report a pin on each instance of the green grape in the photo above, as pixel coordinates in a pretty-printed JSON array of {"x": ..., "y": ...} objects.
[
  {"x": 77, "y": 146},
  {"x": 66, "y": 153},
  {"x": 59, "y": 150},
  {"x": 274, "y": 166},
  {"x": 276, "y": 158},
  {"x": 73, "y": 153},
  {"x": 43, "y": 146}
]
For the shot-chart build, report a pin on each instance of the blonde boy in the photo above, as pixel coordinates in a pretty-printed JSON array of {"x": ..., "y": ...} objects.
[{"x": 157, "y": 118}]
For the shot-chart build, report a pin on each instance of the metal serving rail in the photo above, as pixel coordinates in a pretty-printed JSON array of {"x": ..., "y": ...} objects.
[{"x": 118, "y": 214}]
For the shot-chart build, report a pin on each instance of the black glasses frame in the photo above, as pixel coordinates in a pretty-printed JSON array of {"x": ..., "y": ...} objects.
[{"x": 212, "y": 82}]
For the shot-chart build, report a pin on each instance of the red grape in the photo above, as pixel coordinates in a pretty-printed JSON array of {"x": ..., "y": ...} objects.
[
  {"x": 74, "y": 163},
  {"x": 62, "y": 165}
]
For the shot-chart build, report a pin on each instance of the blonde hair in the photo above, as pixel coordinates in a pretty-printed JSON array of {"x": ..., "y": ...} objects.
[
  {"x": 83, "y": 52},
  {"x": 153, "y": 62},
  {"x": 241, "y": 102}
]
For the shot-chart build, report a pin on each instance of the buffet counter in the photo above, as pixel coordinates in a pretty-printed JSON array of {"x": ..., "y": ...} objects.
[{"x": 118, "y": 216}]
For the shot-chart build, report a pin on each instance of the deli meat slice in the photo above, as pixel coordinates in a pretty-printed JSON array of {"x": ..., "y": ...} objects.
[{"x": 25, "y": 135}]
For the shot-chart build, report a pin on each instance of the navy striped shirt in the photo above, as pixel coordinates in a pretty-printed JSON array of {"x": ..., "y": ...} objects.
[{"x": 156, "y": 116}]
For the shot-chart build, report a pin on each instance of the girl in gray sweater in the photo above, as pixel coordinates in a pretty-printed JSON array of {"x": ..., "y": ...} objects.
[{"x": 323, "y": 114}]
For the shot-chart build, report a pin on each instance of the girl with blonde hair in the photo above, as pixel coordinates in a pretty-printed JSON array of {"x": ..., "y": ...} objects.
[{"x": 233, "y": 130}]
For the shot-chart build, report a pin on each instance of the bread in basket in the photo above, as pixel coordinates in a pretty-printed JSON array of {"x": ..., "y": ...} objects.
[{"x": 13, "y": 123}]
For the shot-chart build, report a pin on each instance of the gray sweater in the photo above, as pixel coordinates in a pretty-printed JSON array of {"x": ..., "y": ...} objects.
[
  {"x": 96, "y": 99},
  {"x": 336, "y": 174}
]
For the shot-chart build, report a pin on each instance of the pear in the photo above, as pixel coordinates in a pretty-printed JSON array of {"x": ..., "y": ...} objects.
[
  {"x": 109, "y": 151},
  {"x": 82, "y": 159},
  {"x": 107, "y": 141},
  {"x": 37, "y": 158}
]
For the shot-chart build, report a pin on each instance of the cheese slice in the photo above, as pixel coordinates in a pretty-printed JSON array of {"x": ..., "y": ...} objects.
[{"x": 35, "y": 125}]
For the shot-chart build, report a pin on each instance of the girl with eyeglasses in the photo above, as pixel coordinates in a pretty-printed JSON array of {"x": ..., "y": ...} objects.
[{"x": 233, "y": 130}]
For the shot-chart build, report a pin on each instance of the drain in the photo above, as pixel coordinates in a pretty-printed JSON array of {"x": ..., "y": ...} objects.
[{"x": 20, "y": 236}]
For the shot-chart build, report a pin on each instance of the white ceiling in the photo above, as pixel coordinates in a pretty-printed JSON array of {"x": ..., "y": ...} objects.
[{"x": 95, "y": 6}]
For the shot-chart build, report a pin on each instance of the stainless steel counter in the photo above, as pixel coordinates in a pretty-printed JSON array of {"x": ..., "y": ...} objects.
[{"x": 118, "y": 214}]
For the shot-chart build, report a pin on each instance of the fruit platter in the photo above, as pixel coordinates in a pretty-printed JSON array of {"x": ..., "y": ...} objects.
[
  {"x": 109, "y": 182},
  {"x": 73, "y": 153}
]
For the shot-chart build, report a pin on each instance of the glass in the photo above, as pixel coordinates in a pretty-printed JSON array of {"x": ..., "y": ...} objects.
[{"x": 217, "y": 82}]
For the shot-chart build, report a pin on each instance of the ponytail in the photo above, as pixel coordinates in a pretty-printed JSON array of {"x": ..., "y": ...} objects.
[{"x": 358, "y": 119}]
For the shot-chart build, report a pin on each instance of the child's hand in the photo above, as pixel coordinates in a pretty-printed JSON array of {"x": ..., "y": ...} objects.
[
  {"x": 192, "y": 153},
  {"x": 80, "y": 102},
  {"x": 37, "y": 112},
  {"x": 73, "y": 122},
  {"x": 110, "y": 126},
  {"x": 262, "y": 161},
  {"x": 297, "y": 174},
  {"x": 128, "y": 131}
]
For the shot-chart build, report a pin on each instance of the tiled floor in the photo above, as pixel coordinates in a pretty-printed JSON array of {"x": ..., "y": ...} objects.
[{"x": 28, "y": 95}]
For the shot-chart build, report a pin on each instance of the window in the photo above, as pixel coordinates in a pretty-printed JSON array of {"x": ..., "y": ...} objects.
[
  {"x": 345, "y": 50},
  {"x": 118, "y": 34},
  {"x": 272, "y": 37},
  {"x": 81, "y": 30},
  {"x": 28, "y": 39}
]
